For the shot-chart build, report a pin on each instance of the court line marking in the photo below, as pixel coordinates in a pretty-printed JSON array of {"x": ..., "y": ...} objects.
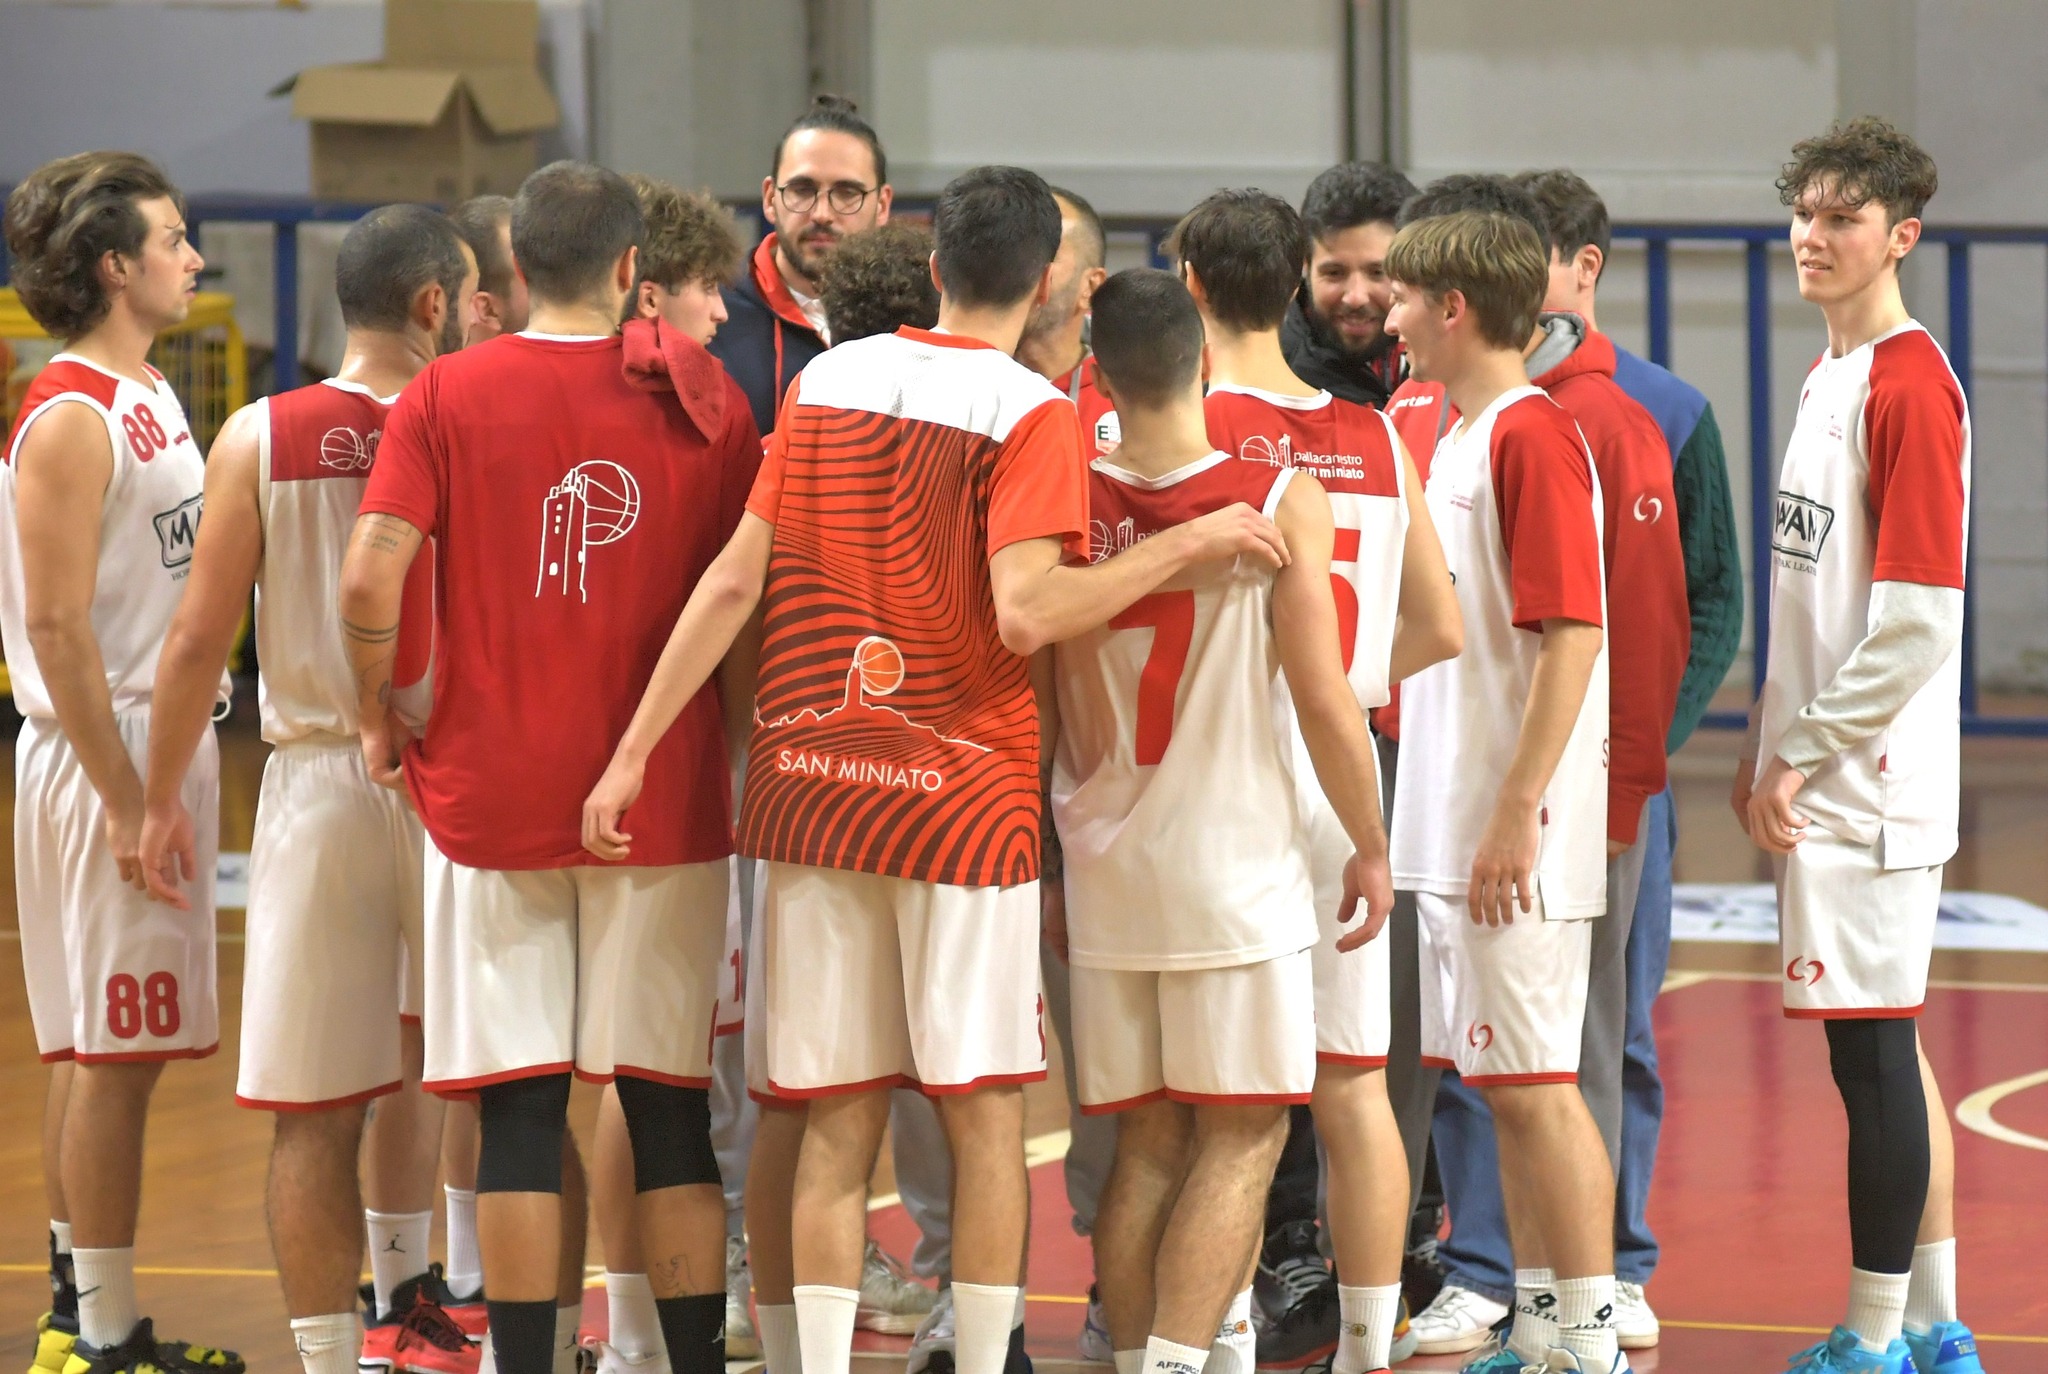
[{"x": 1974, "y": 1111}]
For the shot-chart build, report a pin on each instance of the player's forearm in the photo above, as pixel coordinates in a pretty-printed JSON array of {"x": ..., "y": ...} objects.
[
  {"x": 736, "y": 680},
  {"x": 1340, "y": 747},
  {"x": 75, "y": 676},
  {"x": 717, "y": 611},
  {"x": 1557, "y": 690},
  {"x": 1429, "y": 627},
  {"x": 1913, "y": 630},
  {"x": 188, "y": 672},
  {"x": 380, "y": 554},
  {"x": 1067, "y": 600}
]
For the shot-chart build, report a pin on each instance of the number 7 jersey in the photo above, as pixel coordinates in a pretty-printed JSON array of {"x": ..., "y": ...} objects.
[{"x": 1173, "y": 792}]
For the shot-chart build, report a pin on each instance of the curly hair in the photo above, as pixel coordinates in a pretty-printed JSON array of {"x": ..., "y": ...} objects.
[
  {"x": 1862, "y": 160},
  {"x": 64, "y": 218},
  {"x": 690, "y": 236},
  {"x": 878, "y": 280}
]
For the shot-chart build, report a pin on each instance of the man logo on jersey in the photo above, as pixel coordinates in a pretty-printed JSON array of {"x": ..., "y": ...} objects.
[
  {"x": 1799, "y": 530},
  {"x": 177, "y": 529},
  {"x": 346, "y": 450},
  {"x": 597, "y": 503}
]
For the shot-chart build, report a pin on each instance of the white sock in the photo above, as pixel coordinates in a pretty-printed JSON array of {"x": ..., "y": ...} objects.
[
  {"x": 1535, "y": 1328},
  {"x": 1017, "y": 1319},
  {"x": 824, "y": 1324},
  {"x": 1931, "y": 1294},
  {"x": 328, "y": 1345},
  {"x": 981, "y": 1326},
  {"x": 1365, "y": 1331},
  {"x": 567, "y": 1319},
  {"x": 465, "y": 1261},
  {"x": 779, "y": 1346},
  {"x": 1129, "y": 1361},
  {"x": 1877, "y": 1307},
  {"x": 635, "y": 1320},
  {"x": 1235, "y": 1349},
  {"x": 106, "y": 1295},
  {"x": 1585, "y": 1321},
  {"x": 61, "y": 1231},
  {"x": 1164, "y": 1357},
  {"x": 398, "y": 1251}
]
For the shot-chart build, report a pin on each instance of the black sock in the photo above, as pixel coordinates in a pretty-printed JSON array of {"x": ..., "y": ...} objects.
[
  {"x": 693, "y": 1328},
  {"x": 1876, "y": 1066},
  {"x": 63, "y": 1288},
  {"x": 523, "y": 1336}
]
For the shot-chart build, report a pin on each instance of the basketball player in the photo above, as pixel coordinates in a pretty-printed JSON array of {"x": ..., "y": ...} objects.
[
  {"x": 1503, "y": 788},
  {"x": 501, "y": 302},
  {"x": 334, "y": 888},
  {"x": 1853, "y": 786},
  {"x": 99, "y": 502},
  {"x": 1241, "y": 254},
  {"x": 536, "y": 963},
  {"x": 905, "y": 836},
  {"x": 1190, "y": 905},
  {"x": 880, "y": 280}
]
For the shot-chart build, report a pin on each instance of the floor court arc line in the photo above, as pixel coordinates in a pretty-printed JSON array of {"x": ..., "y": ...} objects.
[{"x": 1974, "y": 1111}]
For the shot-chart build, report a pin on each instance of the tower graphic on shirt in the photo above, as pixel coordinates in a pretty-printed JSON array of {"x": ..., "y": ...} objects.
[
  {"x": 595, "y": 504},
  {"x": 876, "y": 671}
]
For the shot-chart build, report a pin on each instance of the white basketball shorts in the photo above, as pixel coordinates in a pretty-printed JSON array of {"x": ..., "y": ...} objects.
[
  {"x": 112, "y": 976},
  {"x": 1502, "y": 1004},
  {"x": 603, "y": 970},
  {"x": 336, "y": 932},
  {"x": 1855, "y": 937},
  {"x": 872, "y": 982},
  {"x": 1241, "y": 1034},
  {"x": 1354, "y": 991}
]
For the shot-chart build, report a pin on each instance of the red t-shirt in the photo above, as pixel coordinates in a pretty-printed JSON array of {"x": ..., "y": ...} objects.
[
  {"x": 572, "y": 512},
  {"x": 895, "y": 734}
]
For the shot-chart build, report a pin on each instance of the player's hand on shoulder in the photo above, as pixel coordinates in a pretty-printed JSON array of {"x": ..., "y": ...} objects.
[
  {"x": 1367, "y": 879},
  {"x": 1504, "y": 868},
  {"x": 1774, "y": 826},
  {"x": 168, "y": 854},
  {"x": 606, "y": 806},
  {"x": 1233, "y": 532}
]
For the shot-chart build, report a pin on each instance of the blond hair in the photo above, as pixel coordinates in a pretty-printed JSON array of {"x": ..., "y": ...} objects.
[{"x": 1495, "y": 261}]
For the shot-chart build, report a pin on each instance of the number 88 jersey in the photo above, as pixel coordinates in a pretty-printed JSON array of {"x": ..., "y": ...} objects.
[{"x": 1174, "y": 795}]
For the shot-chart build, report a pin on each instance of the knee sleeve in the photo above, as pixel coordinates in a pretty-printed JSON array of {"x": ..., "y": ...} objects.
[
  {"x": 1876, "y": 1066},
  {"x": 521, "y": 1125},
  {"x": 670, "y": 1128}
]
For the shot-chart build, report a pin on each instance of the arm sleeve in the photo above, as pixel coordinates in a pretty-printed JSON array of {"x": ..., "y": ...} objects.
[
  {"x": 1713, "y": 573},
  {"x": 409, "y": 477},
  {"x": 765, "y": 497},
  {"x": 1040, "y": 484},
  {"x": 1915, "y": 437},
  {"x": 1913, "y": 630},
  {"x": 1543, "y": 481}
]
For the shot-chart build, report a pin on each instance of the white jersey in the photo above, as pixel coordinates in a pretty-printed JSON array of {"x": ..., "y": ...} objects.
[
  {"x": 1875, "y": 488},
  {"x": 149, "y": 520},
  {"x": 1173, "y": 794},
  {"x": 1516, "y": 500}
]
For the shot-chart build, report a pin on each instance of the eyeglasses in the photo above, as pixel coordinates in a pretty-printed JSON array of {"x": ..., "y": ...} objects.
[{"x": 845, "y": 197}]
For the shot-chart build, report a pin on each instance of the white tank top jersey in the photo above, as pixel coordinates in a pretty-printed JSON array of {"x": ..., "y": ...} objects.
[
  {"x": 149, "y": 519},
  {"x": 316, "y": 446},
  {"x": 1173, "y": 793},
  {"x": 1875, "y": 488},
  {"x": 1516, "y": 502}
]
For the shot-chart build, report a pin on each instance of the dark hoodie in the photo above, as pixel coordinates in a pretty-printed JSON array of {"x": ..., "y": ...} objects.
[
  {"x": 765, "y": 340},
  {"x": 1317, "y": 359}
]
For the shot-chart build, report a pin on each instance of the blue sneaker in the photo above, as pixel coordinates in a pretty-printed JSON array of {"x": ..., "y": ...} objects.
[
  {"x": 1495, "y": 1360},
  {"x": 1947, "y": 1349},
  {"x": 1843, "y": 1353}
]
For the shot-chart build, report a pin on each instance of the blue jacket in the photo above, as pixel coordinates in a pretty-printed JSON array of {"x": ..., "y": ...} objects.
[{"x": 765, "y": 340}]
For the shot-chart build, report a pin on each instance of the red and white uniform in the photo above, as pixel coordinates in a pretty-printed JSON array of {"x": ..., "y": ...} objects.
[
  {"x": 1100, "y": 432},
  {"x": 572, "y": 510},
  {"x": 1355, "y": 454},
  {"x": 893, "y": 786},
  {"x": 112, "y": 976},
  {"x": 1515, "y": 498},
  {"x": 336, "y": 950},
  {"x": 1177, "y": 809},
  {"x": 1875, "y": 488}
]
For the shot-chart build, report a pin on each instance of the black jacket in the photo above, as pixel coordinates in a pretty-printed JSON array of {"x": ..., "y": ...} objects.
[
  {"x": 766, "y": 340},
  {"x": 1317, "y": 360}
]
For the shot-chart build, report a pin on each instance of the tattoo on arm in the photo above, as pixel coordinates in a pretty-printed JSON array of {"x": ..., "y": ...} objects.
[
  {"x": 388, "y": 534},
  {"x": 365, "y": 634}
]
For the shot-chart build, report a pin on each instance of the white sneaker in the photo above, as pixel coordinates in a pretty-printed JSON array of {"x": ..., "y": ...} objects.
[
  {"x": 1635, "y": 1325},
  {"x": 934, "y": 1335},
  {"x": 1095, "y": 1346},
  {"x": 891, "y": 1301},
  {"x": 612, "y": 1360},
  {"x": 742, "y": 1342},
  {"x": 1456, "y": 1321}
]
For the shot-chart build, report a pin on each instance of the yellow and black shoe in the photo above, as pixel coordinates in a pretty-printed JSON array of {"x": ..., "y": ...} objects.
[
  {"x": 143, "y": 1353},
  {"x": 54, "y": 1338}
]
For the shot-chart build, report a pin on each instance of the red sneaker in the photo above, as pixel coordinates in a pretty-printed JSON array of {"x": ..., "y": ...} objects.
[{"x": 429, "y": 1342}]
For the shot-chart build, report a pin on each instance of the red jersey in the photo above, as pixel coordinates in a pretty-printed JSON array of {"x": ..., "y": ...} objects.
[
  {"x": 895, "y": 734},
  {"x": 1100, "y": 433},
  {"x": 572, "y": 512}
]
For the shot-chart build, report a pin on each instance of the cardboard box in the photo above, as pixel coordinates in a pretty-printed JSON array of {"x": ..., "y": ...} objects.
[{"x": 452, "y": 111}]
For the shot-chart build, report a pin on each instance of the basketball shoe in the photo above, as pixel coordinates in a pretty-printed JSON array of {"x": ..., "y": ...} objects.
[
  {"x": 742, "y": 1341},
  {"x": 1635, "y": 1324},
  {"x": 418, "y": 1336},
  {"x": 1457, "y": 1321},
  {"x": 469, "y": 1313},
  {"x": 1843, "y": 1353},
  {"x": 932, "y": 1349},
  {"x": 143, "y": 1353},
  {"x": 1948, "y": 1348},
  {"x": 54, "y": 1339},
  {"x": 1095, "y": 1343},
  {"x": 891, "y": 1301}
]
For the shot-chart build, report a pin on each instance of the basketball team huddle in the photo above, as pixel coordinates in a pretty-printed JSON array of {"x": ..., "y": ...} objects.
[{"x": 1263, "y": 669}]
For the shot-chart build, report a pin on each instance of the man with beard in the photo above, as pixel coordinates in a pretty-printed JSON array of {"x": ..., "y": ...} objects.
[
  {"x": 1055, "y": 342},
  {"x": 830, "y": 178},
  {"x": 1334, "y": 335}
]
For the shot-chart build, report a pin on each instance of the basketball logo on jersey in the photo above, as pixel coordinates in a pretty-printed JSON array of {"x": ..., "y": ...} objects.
[
  {"x": 347, "y": 450},
  {"x": 177, "y": 530},
  {"x": 597, "y": 503},
  {"x": 1799, "y": 530},
  {"x": 877, "y": 671},
  {"x": 1107, "y": 542}
]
